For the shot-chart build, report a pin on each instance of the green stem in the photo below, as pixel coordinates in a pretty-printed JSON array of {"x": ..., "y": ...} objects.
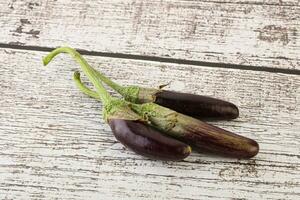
[
  {"x": 120, "y": 89},
  {"x": 130, "y": 93},
  {"x": 83, "y": 88},
  {"x": 86, "y": 68}
]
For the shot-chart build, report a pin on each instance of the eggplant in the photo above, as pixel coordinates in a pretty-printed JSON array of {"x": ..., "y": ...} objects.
[
  {"x": 147, "y": 141},
  {"x": 197, "y": 106},
  {"x": 197, "y": 133}
]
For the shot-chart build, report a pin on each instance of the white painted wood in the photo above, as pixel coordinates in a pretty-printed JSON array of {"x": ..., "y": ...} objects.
[
  {"x": 257, "y": 33},
  {"x": 55, "y": 145}
]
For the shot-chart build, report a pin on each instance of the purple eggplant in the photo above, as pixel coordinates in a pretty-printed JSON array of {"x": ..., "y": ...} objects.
[
  {"x": 197, "y": 133},
  {"x": 147, "y": 141},
  {"x": 196, "y": 105}
]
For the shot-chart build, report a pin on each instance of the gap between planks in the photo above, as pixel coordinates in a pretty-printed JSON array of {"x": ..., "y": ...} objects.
[
  {"x": 159, "y": 59},
  {"x": 253, "y": 33}
]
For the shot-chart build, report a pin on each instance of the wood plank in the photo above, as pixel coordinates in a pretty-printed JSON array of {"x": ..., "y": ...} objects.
[
  {"x": 256, "y": 33},
  {"x": 54, "y": 143}
]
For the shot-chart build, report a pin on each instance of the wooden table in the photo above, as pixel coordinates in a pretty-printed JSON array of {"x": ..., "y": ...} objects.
[{"x": 54, "y": 143}]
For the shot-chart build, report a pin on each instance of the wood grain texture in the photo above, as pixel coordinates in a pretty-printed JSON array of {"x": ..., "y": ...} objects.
[
  {"x": 55, "y": 145},
  {"x": 256, "y": 33}
]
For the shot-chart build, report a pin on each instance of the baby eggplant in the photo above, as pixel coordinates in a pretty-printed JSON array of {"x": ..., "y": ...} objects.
[
  {"x": 196, "y": 133},
  {"x": 190, "y": 104},
  {"x": 147, "y": 141},
  {"x": 197, "y": 106}
]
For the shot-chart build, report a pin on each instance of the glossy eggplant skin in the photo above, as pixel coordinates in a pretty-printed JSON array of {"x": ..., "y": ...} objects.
[
  {"x": 147, "y": 141},
  {"x": 196, "y": 105}
]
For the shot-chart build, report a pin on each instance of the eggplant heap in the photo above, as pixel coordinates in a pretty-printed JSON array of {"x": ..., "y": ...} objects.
[{"x": 162, "y": 124}]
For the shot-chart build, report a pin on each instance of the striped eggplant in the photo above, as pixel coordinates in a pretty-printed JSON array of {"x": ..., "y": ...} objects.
[{"x": 197, "y": 133}]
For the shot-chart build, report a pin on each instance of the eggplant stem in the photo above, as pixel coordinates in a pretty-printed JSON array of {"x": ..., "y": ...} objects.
[
  {"x": 118, "y": 88},
  {"x": 130, "y": 93},
  {"x": 86, "y": 68},
  {"x": 84, "y": 88}
]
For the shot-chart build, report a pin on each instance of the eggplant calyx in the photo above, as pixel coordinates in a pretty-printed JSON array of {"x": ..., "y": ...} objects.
[
  {"x": 160, "y": 117},
  {"x": 131, "y": 93},
  {"x": 119, "y": 109},
  {"x": 147, "y": 95}
]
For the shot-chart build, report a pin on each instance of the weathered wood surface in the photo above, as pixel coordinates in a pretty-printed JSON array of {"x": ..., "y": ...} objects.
[
  {"x": 55, "y": 145},
  {"x": 256, "y": 33}
]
